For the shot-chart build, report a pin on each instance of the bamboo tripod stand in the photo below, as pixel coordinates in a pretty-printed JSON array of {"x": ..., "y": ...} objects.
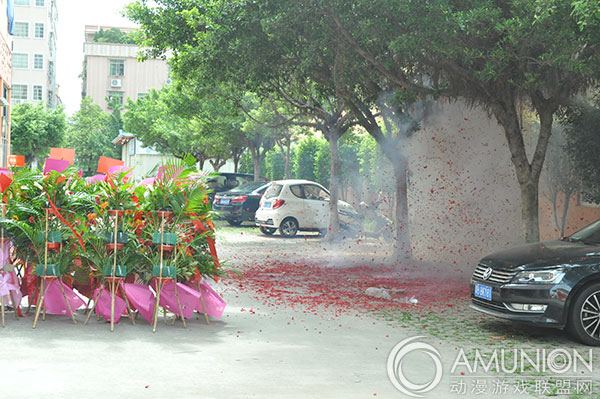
[
  {"x": 44, "y": 282},
  {"x": 114, "y": 284},
  {"x": 161, "y": 281},
  {"x": 2, "y": 247}
]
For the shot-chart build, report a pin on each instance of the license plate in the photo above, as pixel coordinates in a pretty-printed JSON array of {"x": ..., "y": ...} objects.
[
  {"x": 266, "y": 205},
  {"x": 225, "y": 201},
  {"x": 483, "y": 291}
]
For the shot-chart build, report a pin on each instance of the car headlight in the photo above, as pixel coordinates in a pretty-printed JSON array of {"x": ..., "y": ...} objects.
[{"x": 539, "y": 277}]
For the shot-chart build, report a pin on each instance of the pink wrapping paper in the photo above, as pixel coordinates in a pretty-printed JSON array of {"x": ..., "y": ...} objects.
[
  {"x": 9, "y": 285},
  {"x": 141, "y": 298},
  {"x": 187, "y": 297},
  {"x": 55, "y": 164},
  {"x": 103, "y": 305},
  {"x": 214, "y": 304},
  {"x": 148, "y": 181},
  {"x": 95, "y": 178},
  {"x": 55, "y": 302}
]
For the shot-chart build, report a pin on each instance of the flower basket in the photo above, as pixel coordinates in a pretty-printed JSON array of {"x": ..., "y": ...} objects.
[
  {"x": 165, "y": 213},
  {"x": 168, "y": 238},
  {"x": 120, "y": 271},
  {"x": 116, "y": 212},
  {"x": 122, "y": 237},
  {"x": 167, "y": 271},
  {"x": 111, "y": 246},
  {"x": 51, "y": 270}
]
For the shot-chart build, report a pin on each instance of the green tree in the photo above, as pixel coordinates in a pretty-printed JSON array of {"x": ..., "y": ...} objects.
[
  {"x": 114, "y": 35},
  {"x": 179, "y": 121},
  {"x": 583, "y": 146},
  {"x": 204, "y": 37},
  {"x": 499, "y": 55},
  {"x": 90, "y": 133},
  {"x": 305, "y": 158},
  {"x": 34, "y": 129}
]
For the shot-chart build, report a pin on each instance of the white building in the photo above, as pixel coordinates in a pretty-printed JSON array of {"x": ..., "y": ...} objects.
[
  {"x": 34, "y": 52},
  {"x": 111, "y": 70}
]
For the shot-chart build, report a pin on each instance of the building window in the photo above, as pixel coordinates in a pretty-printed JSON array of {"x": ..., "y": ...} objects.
[
  {"x": 38, "y": 93},
  {"x": 21, "y": 2},
  {"x": 39, "y": 3},
  {"x": 117, "y": 67},
  {"x": 20, "y": 60},
  {"x": 19, "y": 92},
  {"x": 38, "y": 61},
  {"x": 142, "y": 95},
  {"x": 115, "y": 96},
  {"x": 21, "y": 29},
  {"x": 39, "y": 30}
]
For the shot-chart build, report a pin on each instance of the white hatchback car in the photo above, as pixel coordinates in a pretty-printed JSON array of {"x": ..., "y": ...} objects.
[{"x": 293, "y": 205}]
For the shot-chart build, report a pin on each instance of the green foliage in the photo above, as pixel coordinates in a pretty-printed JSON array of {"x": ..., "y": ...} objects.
[
  {"x": 178, "y": 121},
  {"x": 90, "y": 134},
  {"x": 306, "y": 156},
  {"x": 114, "y": 35},
  {"x": 34, "y": 129},
  {"x": 274, "y": 166},
  {"x": 583, "y": 146}
]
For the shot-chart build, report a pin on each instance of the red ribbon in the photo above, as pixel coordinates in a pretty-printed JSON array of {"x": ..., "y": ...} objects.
[{"x": 62, "y": 219}]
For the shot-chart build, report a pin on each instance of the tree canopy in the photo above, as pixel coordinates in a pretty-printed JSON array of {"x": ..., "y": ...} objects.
[
  {"x": 90, "y": 133},
  {"x": 34, "y": 129}
]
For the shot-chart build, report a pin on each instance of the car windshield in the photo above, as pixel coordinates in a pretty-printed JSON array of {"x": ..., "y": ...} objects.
[
  {"x": 589, "y": 234},
  {"x": 247, "y": 188},
  {"x": 273, "y": 191}
]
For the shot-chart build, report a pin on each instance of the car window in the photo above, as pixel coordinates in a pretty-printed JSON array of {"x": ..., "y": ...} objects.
[
  {"x": 273, "y": 191},
  {"x": 248, "y": 187},
  {"x": 590, "y": 233},
  {"x": 315, "y": 192},
  {"x": 297, "y": 190}
]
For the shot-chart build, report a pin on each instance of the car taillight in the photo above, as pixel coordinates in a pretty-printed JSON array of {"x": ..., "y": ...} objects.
[
  {"x": 278, "y": 203},
  {"x": 239, "y": 198}
]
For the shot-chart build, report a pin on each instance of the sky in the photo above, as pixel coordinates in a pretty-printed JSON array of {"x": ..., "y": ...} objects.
[{"x": 73, "y": 15}]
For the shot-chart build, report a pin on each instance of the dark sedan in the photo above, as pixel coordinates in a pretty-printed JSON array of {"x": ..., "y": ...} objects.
[
  {"x": 239, "y": 204},
  {"x": 553, "y": 283}
]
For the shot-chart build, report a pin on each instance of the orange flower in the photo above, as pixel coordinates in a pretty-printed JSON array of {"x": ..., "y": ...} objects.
[
  {"x": 104, "y": 204},
  {"x": 91, "y": 216}
]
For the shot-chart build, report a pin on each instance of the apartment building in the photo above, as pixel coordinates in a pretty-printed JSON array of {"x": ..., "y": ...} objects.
[
  {"x": 34, "y": 52},
  {"x": 6, "y": 23},
  {"x": 112, "y": 71}
]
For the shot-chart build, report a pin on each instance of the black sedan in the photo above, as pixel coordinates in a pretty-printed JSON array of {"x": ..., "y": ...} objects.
[
  {"x": 239, "y": 204},
  {"x": 552, "y": 283}
]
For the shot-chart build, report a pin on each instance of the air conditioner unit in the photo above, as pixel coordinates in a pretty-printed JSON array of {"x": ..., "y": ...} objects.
[{"x": 115, "y": 83}]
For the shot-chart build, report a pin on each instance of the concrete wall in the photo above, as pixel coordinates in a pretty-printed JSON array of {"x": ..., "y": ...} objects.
[{"x": 464, "y": 199}]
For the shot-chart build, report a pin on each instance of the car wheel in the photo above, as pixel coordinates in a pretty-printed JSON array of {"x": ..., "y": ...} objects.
[
  {"x": 288, "y": 228},
  {"x": 584, "y": 320},
  {"x": 234, "y": 222},
  {"x": 267, "y": 230}
]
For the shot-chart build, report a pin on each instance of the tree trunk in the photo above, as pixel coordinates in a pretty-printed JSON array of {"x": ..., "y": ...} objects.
[
  {"x": 333, "y": 232},
  {"x": 402, "y": 237},
  {"x": 287, "y": 159},
  {"x": 256, "y": 160},
  {"x": 528, "y": 174},
  {"x": 530, "y": 228}
]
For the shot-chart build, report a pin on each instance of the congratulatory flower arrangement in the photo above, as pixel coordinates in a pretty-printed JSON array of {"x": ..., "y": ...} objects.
[{"x": 83, "y": 232}]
